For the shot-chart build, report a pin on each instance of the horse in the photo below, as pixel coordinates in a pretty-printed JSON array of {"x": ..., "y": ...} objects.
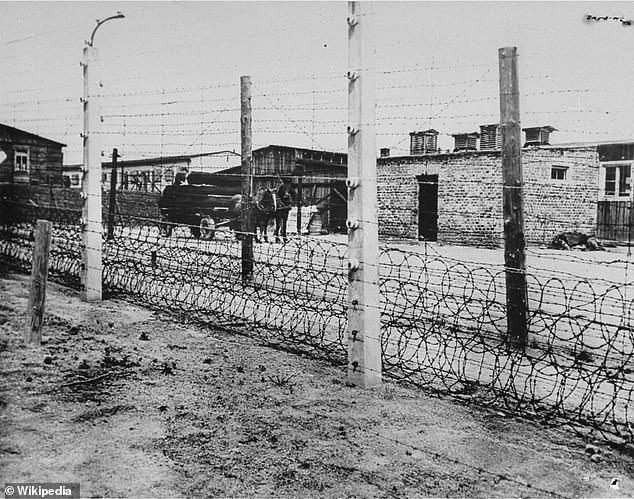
[
  {"x": 264, "y": 210},
  {"x": 266, "y": 206},
  {"x": 284, "y": 202}
]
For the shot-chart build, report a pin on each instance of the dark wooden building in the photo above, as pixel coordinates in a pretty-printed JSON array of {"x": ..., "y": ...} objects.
[
  {"x": 320, "y": 177},
  {"x": 26, "y": 158}
]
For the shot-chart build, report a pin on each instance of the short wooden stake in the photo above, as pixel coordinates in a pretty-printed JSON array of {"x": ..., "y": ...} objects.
[{"x": 39, "y": 275}]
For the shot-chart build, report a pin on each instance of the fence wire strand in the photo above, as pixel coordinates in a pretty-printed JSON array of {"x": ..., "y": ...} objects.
[{"x": 443, "y": 321}]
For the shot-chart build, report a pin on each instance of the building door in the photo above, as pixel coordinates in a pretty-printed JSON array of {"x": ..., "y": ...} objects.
[
  {"x": 338, "y": 205},
  {"x": 428, "y": 207}
]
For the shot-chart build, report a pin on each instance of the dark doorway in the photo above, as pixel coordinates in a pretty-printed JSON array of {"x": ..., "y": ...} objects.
[
  {"x": 428, "y": 207},
  {"x": 338, "y": 208}
]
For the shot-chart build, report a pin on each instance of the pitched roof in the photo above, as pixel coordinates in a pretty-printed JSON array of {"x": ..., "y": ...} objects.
[
  {"x": 166, "y": 159},
  {"x": 293, "y": 148},
  {"x": 157, "y": 161},
  {"x": 11, "y": 129}
]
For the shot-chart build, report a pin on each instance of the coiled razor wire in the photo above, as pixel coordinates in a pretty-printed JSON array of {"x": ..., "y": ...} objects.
[
  {"x": 443, "y": 321},
  {"x": 16, "y": 239}
]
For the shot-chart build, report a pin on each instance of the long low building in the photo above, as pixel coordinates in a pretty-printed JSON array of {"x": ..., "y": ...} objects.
[{"x": 154, "y": 174}]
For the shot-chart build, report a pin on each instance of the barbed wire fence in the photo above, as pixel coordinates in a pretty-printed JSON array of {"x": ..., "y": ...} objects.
[{"x": 443, "y": 308}]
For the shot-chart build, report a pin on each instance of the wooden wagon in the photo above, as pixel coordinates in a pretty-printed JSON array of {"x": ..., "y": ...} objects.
[{"x": 206, "y": 203}]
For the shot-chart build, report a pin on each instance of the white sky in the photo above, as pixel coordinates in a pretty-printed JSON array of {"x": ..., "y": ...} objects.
[{"x": 171, "y": 71}]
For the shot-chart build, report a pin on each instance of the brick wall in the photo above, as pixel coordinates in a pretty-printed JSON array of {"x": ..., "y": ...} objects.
[
  {"x": 470, "y": 199},
  {"x": 554, "y": 206},
  {"x": 470, "y": 194},
  {"x": 398, "y": 193}
]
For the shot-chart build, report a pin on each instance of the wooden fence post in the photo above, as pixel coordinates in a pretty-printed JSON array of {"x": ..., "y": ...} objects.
[
  {"x": 364, "y": 313},
  {"x": 513, "y": 205},
  {"x": 247, "y": 179},
  {"x": 113, "y": 194},
  {"x": 39, "y": 276},
  {"x": 300, "y": 197}
]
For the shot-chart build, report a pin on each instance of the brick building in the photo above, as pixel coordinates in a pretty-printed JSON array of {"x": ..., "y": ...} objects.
[
  {"x": 26, "y": 158},
  {"x": 456, "y": 197}
]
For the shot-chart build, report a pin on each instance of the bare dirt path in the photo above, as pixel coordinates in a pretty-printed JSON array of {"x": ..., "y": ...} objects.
[{"x": 134, "y": 404}]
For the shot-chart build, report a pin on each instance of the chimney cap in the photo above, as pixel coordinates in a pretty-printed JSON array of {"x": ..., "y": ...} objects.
[
  {"x": 431, "y": 131},
  {"x": 546, "y": 127},
  {"x": 466, "y": 134}
]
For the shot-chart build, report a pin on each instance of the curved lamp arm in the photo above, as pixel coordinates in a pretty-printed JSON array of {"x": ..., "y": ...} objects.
[{"x": 118, "y": 15}]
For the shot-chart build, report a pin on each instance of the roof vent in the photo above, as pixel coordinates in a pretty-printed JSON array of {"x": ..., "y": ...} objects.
[
  {"x": 538, "y": 135},
  {"x": 425, "y": 142},
  {"x": 490, "y": 138},
  {"x": 465, "y": 141}
]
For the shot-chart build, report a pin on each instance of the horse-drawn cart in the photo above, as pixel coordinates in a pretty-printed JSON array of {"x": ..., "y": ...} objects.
[
  {"x": 210, "y": 201},
  {"x": 203, "y": 207}
]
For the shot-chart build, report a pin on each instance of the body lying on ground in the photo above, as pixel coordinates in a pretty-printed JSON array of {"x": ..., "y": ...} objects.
[{"x": 572, "y": 239}]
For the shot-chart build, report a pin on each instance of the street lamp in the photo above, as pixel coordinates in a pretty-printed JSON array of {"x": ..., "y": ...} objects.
[
  {"x": 118, "y": 15},
  {"x": 91, "y": 263}
]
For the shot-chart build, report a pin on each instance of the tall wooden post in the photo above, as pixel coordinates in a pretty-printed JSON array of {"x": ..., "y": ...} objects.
[
  {"x": 513, "y": 208},
  {"x": 39, "y": 276},
  {"x": 113, "y": 194},
  {"x": 122, "y": 174},
  {"x": 364, "y": 314},
  {"x": 300, "y": 197},
  {"x": 90, "y": 288},
  {"x": 247, "y": 179}
]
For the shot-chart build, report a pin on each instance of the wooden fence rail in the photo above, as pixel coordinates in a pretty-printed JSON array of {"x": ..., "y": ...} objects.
[{"x": 614, "y": 221}]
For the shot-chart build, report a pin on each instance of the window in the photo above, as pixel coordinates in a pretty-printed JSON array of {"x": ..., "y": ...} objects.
[
  {"x": 21, "y": 163},
  {"x": 625, "y": 180},
  {"x": 610, "y": 181},
  {"x": 558, "y": 172},
  {"x": 618, "y": 180}
]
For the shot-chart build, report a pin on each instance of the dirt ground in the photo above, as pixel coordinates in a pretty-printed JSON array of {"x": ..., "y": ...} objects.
[{"x": 132, "y": 403}]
